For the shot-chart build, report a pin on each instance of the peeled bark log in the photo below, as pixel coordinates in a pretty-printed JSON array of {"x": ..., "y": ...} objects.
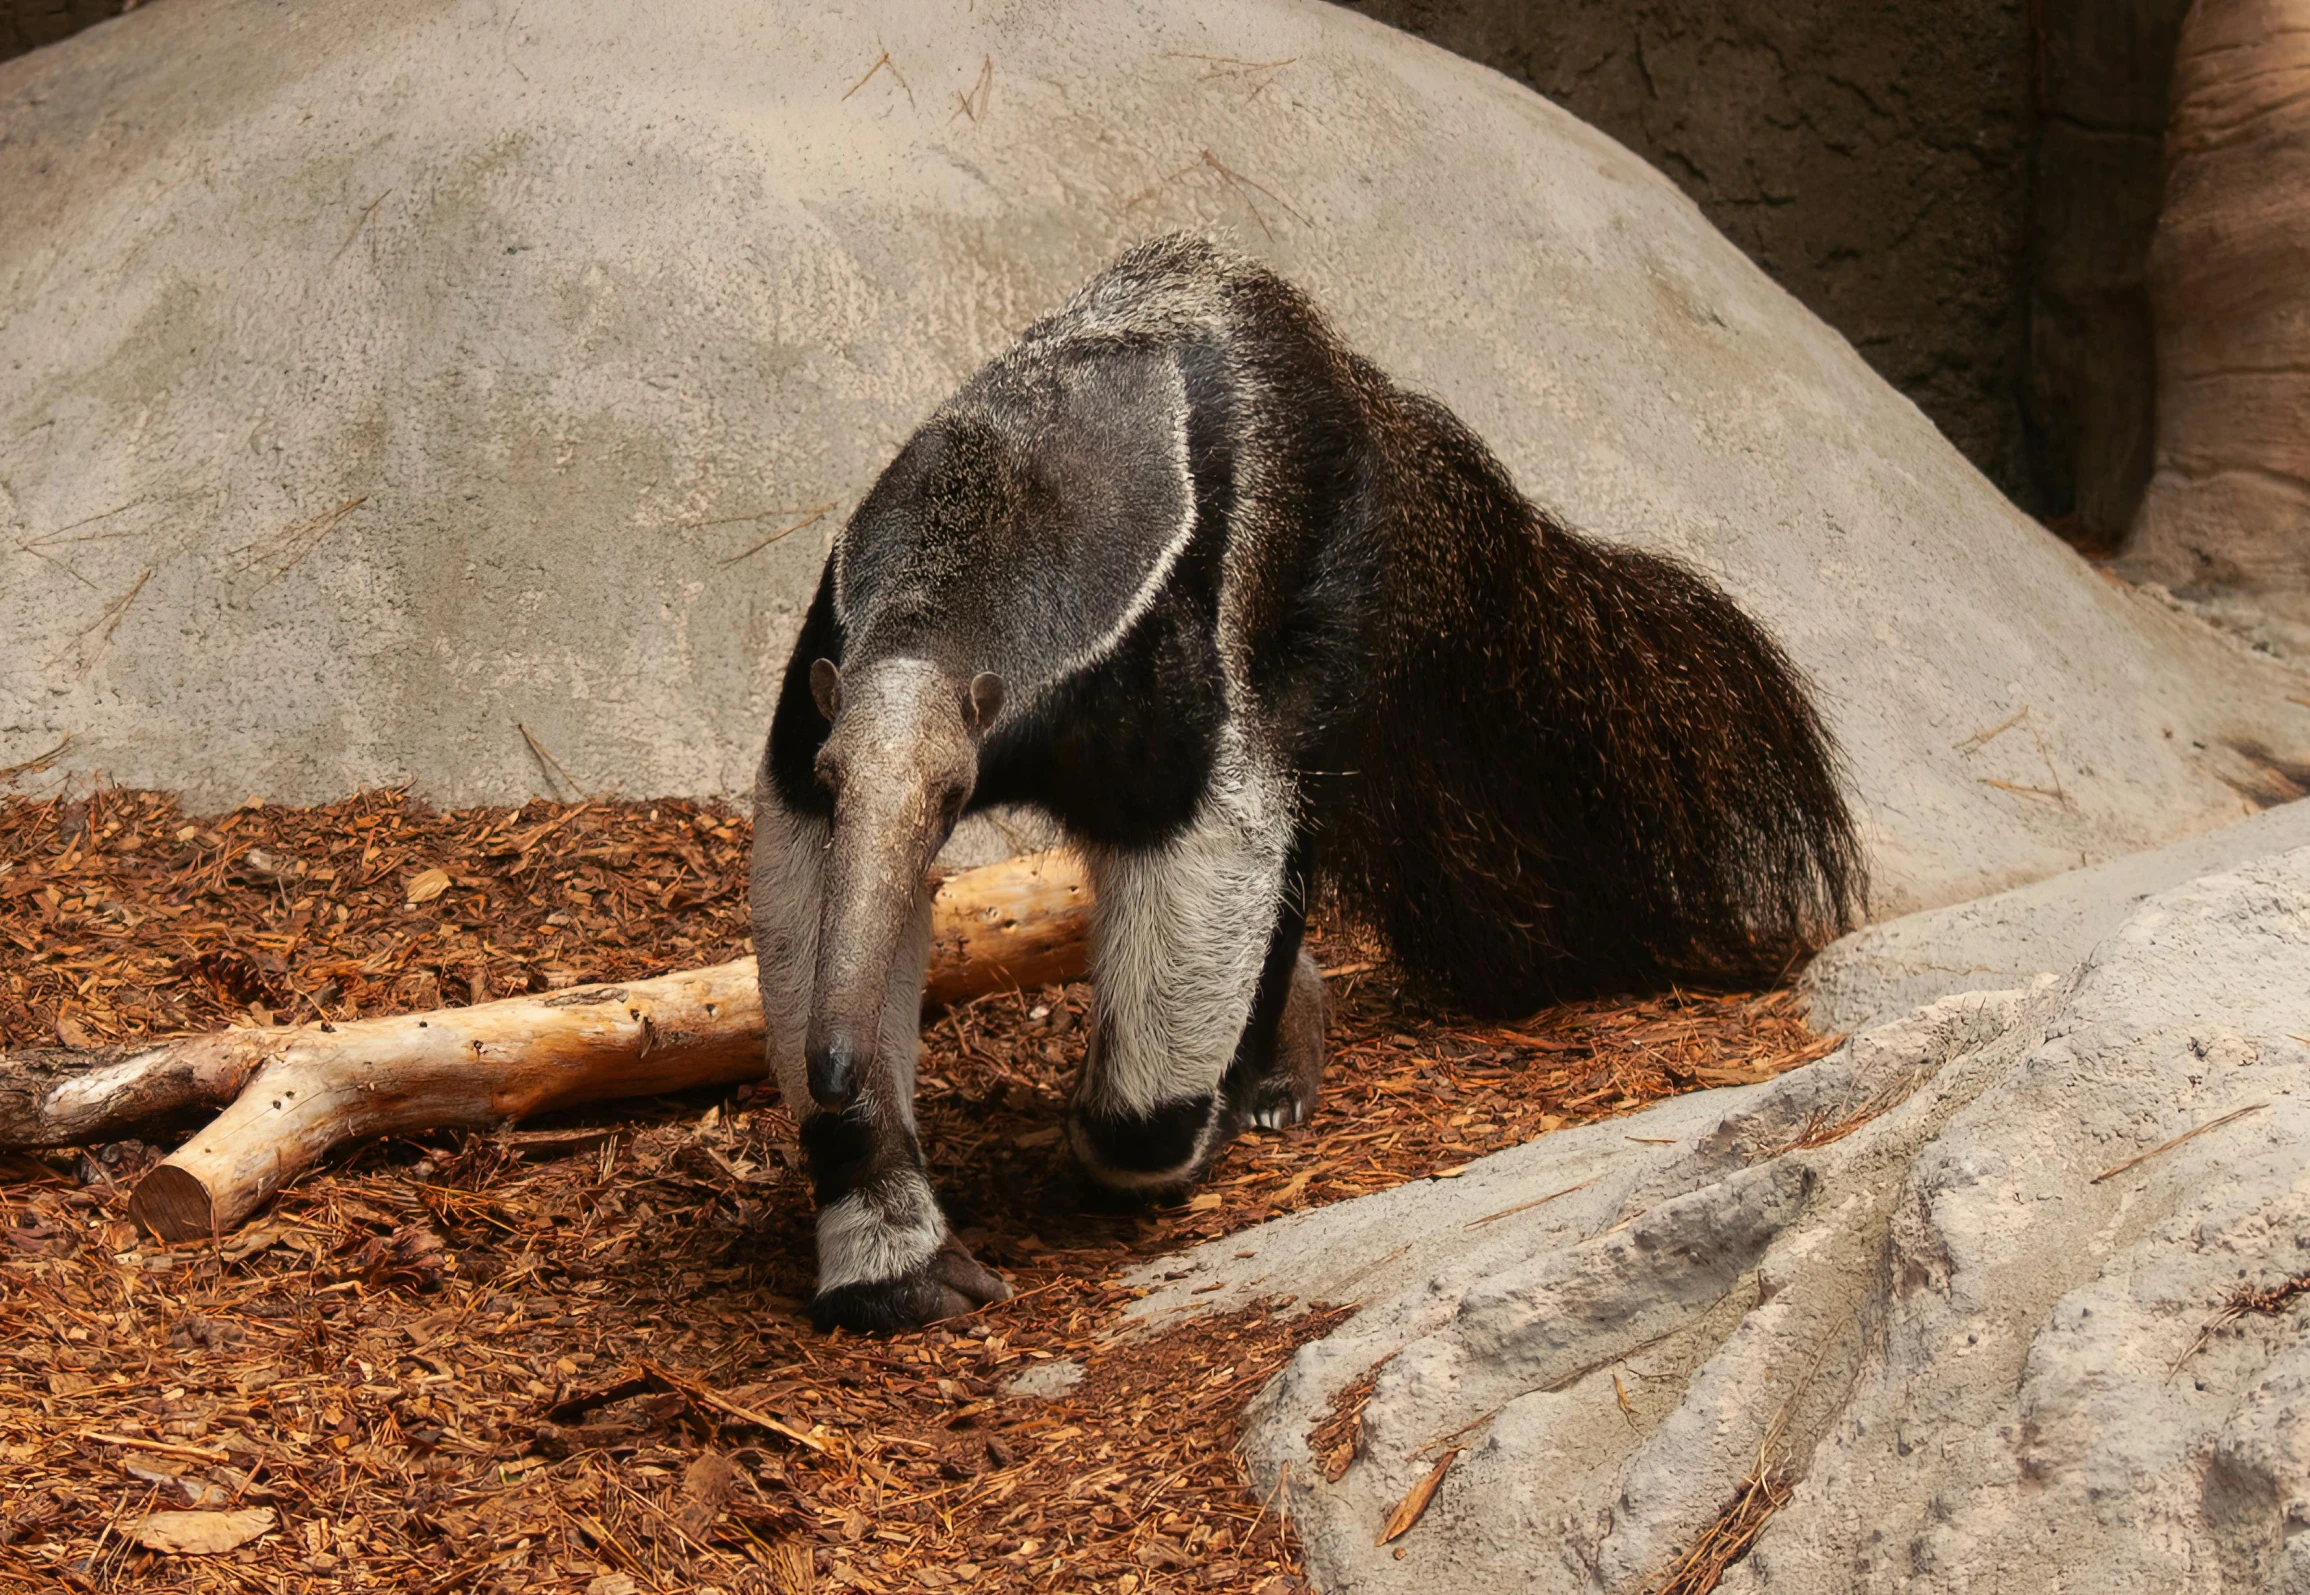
[
  {"x": 56, "y": 1096},
  {"x": 1023, "y": 923},
  {"x": 295, "y": 1093},
  {"x": 452, "y": 1068}
]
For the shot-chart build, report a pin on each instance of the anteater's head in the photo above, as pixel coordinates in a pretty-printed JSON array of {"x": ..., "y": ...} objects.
[{"x": 899, "y": 764}]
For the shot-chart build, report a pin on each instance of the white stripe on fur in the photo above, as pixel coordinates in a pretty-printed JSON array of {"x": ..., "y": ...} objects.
[{"x": 1103, "y": 646}]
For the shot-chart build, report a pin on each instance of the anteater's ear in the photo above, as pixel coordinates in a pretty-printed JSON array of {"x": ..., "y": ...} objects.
[
  {"x": 826, "y": 686},
  {"x": 984, "y": 700}
]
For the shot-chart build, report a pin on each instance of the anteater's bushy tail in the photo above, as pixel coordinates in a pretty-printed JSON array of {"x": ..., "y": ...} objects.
[{"x": 1581, "y": 767}]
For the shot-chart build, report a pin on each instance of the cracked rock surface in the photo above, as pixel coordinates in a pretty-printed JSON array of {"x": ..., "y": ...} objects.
[{"x": 1954, "y": 1286}]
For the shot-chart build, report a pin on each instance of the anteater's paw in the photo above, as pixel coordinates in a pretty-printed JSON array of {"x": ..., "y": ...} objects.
[
  {"x": 1286, "y": 1093},
  {"x": 1274, "y": 1103},
  {"x": 1138, "y": 1156},
  {"x": 949, "y": 1283}
]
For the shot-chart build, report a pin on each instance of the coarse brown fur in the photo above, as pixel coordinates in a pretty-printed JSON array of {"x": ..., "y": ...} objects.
[{"x": 1581, "y": 767}]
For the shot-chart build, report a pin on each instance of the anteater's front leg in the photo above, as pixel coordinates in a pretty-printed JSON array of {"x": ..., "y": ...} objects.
[
  {"x": 885, "y": 1258},
  {"x": 1180, "y": 936}
]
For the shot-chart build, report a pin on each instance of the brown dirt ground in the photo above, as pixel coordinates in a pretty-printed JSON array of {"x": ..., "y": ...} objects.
[{"x": 575, "y": 1356}]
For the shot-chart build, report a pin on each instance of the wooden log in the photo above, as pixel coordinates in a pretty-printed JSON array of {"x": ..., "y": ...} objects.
[
  {"x": 1022, "y": 923},
  {"x": 56, "y": 1096},
  {"x": 296, "y": 1092},
  {"x": 1019, "y": 923},
  {"x": 452, "y": 1068}
]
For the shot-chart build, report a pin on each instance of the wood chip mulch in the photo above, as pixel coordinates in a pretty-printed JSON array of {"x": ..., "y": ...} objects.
[{"x": 575, "y": 1355}]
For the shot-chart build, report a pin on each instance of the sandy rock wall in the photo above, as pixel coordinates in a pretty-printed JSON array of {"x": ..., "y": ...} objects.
[
  {"x": 1872, "y": 158},
  {"x": 2007, "y": 939},
  {"x": 1966, "y": 191},
  {"x": 1969, "y": 200}
]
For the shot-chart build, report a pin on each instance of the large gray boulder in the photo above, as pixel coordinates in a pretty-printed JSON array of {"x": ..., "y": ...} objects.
[
  {"x": 2007, "y": 939},
  {"x": 376, "y": 380},
  {"x": 1958, "y": 1289}
]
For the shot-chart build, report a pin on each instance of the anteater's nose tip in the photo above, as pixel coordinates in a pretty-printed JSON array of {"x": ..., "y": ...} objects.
[{"x": 833, "y": 1075}]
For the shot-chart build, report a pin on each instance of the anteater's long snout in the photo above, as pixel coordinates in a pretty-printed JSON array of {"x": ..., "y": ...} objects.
[
  {"x": 860, "y": 928},
  {"x": 837, "y": 1063},
  {"x": 875, "y": 868},
  {"x": 899, "y": 760}
]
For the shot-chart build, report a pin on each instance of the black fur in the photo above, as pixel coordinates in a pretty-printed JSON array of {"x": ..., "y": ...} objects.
[
  {"x": 1147, "y": 1142},
  {"x": 881, "y": 1306},
  {"x": 841, "y": 1152}
]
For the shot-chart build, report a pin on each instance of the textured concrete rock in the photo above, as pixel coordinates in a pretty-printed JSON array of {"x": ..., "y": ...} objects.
[
  {"x": 1956, "y": 1284},
  {"x": 1871, "y": 155},
  {"x": 376, "y": 380},
  {"x": 2010, "y": 938},
  {"x": 1954, "y": 188}
]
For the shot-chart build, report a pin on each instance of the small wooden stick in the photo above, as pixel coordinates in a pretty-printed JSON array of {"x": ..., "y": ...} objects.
[
  {"x": 2186, "y": 1135},
  {"x": 691, "y": 1390},
  {"x": 196, "y": 1453}
]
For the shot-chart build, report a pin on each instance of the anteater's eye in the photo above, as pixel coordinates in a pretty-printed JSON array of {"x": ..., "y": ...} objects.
[{"x": 829, "y": 776}]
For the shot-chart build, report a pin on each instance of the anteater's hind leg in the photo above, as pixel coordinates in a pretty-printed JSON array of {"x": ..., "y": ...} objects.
[
  {"x": 1181, "y": 937},
  {"x": 1278, "y": 1067},
  {"x": 885, "y": 1258},
  {"x": 1283, "y": 1091}
]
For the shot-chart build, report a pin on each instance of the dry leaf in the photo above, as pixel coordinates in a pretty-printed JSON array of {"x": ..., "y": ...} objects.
[
  {"x": 69, "y": 1032},
  {"x": 1408, "y": 1510},
  {"x": 426, "y": 887},
  {"x": 705, "y": 1486},
  {"x": 201, "y": 1533}
]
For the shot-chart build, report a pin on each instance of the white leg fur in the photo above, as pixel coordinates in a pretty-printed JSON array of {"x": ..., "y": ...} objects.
[
  {"x": 880, "y": 1232},
  {"x": 1179, "y": 936},
  {"x": 783, "y": 895}
]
